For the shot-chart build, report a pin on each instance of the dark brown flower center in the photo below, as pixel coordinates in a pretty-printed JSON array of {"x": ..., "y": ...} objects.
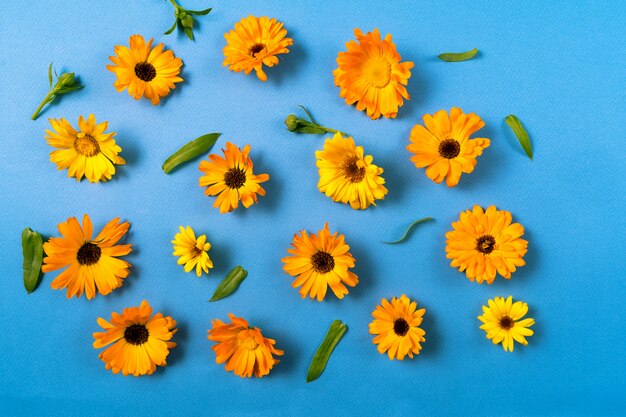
[
  {"x": 323, "y": 262},
  {"x": 400, "y": 327},
  {"x": 506, "y": 322},
  {"x": 485, "y": 244},
  {"x": 136, "y": 334},
  {"x": 449, "y": 148},
  {"x": 235, "y": 178},
  {"x": 352, "y": 170},
  {"x": 86, "y": 145},
  {"x": 145, "y": 71},
  {"x": 256, "y": 48},
  {"x": 88, "y": 254}
]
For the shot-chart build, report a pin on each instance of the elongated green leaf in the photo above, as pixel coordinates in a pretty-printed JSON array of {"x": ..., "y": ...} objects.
[
  {"x": 50, "y": 75},
  {"x": 322, "y": 354},
  {"x": 408, "y": 230},
  {"x": 32, "y": 249},
  {"x": 191, "y": 150},
  {"x": 522, "y": 136},
  {"x": 170, "y": 30},
  {"x": 458, "y": 56},
  {"x": 199, "y": 12},
  {"x": 229, "y": 284}
]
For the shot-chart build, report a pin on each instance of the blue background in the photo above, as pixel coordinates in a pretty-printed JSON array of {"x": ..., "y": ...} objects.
[{"x": 559, "y": 66}]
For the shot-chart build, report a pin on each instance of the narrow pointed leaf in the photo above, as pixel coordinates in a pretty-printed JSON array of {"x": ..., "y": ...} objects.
[
  {"x": 458, "y": 56},
  {"x": 323, "y": 352},
  {"x": 170, "y": 30},
  {"x": 50, "y": 75},
  {"x": 408, "y": 230},
  {"x": 199, "y": 12},
  {"x": 190, "y": 151},
  {"x": 522, "y": 136},
  {"x": 32, "y": 249},
  {"x": 229, "y": 284}
]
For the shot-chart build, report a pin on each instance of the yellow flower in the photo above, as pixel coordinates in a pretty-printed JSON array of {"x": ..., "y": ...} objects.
[
  {"x": 145, "y": 71},
  {"x": 503, "y": 324},
  {"x": 319, "y": 261},
  {"x": 191, "y": 251},
  {"x": 231, "y": 178},
  {"x": 255, "y": 42},
  {"x": 89, "y": 153},
  {"x": 444, "y": 146},
  {"x": 396, "y": 326},
  {"x": 243, "y": 348},
  {"x": 93, "y": 264},
  {"x": 348, "y": 176},
  {"x": 484, "y": 242},
  {"x": 140, "y": 341},
  {"x": 371, "y": 75}
]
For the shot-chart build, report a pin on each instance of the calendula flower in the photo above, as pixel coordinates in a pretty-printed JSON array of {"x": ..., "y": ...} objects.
[
  {"x": 92, "y": 264},
  {"x": 192, "y": 251},
  {"x": 485, "y": 242},
  {"x": 347, "y": 175},
  {"x": 243, "y": 348},
  {"x": 444, "y": 146},
  {"x": 231, "y": 178},
  {"x": 396, "y": 326},
  {"x": 319, "y": 261},
  {"x": 503, "y": 322},
  {"x": 140, "y": 340},
  {"x": 145, "y": 71},
  {"x": 88, "y": 152},
  {"x": 371, "y": 75},
  {"x": 253, "y": 43}
]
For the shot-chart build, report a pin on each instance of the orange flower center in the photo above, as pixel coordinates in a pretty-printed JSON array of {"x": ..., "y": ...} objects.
[
  {"x": 449, "y": 148},
  {"x": 485, "y": 244},
  {"x": 506, "y": 322},
  {"x": 145, "y": 71},
  {"x": 246, "y": 339},
  {"x": 86, "y": 145},
  {"x": 377, "y": 70},
  {"x": 88, "y": 254},
  {"x": 400, "y": 327},
  {"x": 235, "y": 178},
  {"x": 322, "y": 262},
  {"x": 352, "y": 170},
  {"x": 136, "y": 334},
  {"x": 255, "y": 49}
]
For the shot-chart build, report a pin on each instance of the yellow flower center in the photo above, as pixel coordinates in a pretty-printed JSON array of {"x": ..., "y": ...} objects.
[
  {"x": 506, "y": 322},
  {"x": 256, "y": 48},
  {"x": 88, "y": 254},
  {"x": 322, "y": 262},
  {"x": 246, "y": 339},
  {"x": 352, "y": 170},
  {"x": 136, "y": 334},
  {"x": 377, "y": 71},
  {"x": 485, "y": 244},
  {"x": 145, "y": 71},
  {"x": 449, "y": 148},
  {"x": 86, "y": 145},
  {"x": 400, "y": 327},
  {"x": 235, "y": 178}
]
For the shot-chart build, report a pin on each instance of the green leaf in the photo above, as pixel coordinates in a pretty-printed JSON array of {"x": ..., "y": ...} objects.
[
  {"x": 189, "y": 32},
  {"x": 50, "y": 75},
  {"x": 307, "y": 113},
  {"x": 230, "y": 284},
  {"x": 32, "y": 249},
  {"x": 408, "y": 230},
  {"x": 191, "y": 150},
  {"x": 458, "y": 56},
  {"x": 522, "y": 136},
  {"x": 170, "y": 30},
  {"x": 199, "y": 12},
  {"x": 323, "y": 352}
]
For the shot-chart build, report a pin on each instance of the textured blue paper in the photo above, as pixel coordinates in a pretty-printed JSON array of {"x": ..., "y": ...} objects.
[{"x": 559, "y": 66}]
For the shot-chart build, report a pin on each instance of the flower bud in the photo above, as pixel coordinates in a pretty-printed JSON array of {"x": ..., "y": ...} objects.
[{"x": 292, "y": 122}]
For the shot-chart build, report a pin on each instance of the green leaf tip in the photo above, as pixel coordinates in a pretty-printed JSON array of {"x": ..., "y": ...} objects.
[
  {"x": 32, "y": 250},
  {"x": 190, "y": 151},
  {"x": 458, "y": 56},
  {"x": 408, "y": 230},
  {"x": 522, "y": 136},
  {"x": 323, "y": 352},
  {"x": 230, "y": 283}
]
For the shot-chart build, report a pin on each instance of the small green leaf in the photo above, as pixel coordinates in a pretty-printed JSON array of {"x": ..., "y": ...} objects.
[
  {"x": 189, "y": 32},
  {"x": 32, "y": 249},
  {"x": 230, "y": 284},
  {"x": 522, "y": 136},
  {"x": 170, "y": 30},
  {"x": 199, "y": 12},
  {"x": 191, "y": 150},
  {"x": 50, "y": 75},
  {"x": 458, "y": 56},
  {"x": 408, "y": 230},
  {"x": 323, "y": 352}
]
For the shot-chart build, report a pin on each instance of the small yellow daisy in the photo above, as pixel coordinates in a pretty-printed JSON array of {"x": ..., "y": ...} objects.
[
  {"x": 192, "y": 251},
  {"x": 503, "y": 322}
]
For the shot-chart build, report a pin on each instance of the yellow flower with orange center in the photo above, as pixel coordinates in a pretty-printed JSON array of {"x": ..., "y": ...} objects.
[
  {"x": 253, "y": 43},
  {"x": 145, "y": 71},
  {"x": 192, "y": 251},
  {"x": 243, "y": 348},
  {"x": 231, "y": 178},
  {"x": 347, "y": 175},
  {"x": 485, "y": 242},
  {"x": 88, "y": 152},
  {"x": 396, "y": 326},
  {"x": 444, "y": 146},
  {"x": 92, "y": 264},
  {"x": 319, "y": 261},
  {"x": 502, "y": 322},
  {"x": 371, "y": 75},
  {"x": 140, "y": 340}
]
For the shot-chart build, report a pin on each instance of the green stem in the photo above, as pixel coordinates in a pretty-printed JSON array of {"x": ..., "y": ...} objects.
[
  {"x": 329, "y": 130},
  {"x": 43, "y": 103},
  {"x": 175, "y": 4}
]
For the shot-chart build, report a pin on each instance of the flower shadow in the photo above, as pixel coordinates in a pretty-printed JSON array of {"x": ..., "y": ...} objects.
[
  {"x": 289, "y": 63},
  {"x": 364, "y": 269},
  {"x": 289, "y": 361},
  {"x": 488, "y": 164},
  {"x": 417, "y": 88},
  {"x": 432, "y": 346}
]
